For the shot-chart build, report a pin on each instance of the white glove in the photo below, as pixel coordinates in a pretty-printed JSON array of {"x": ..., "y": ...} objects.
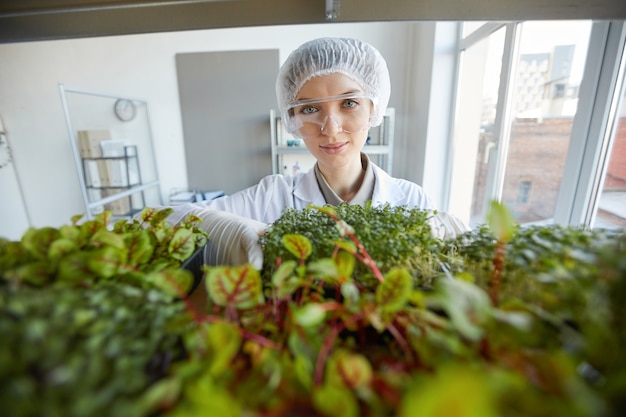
[
  {"x": 446, "y": 226},
  {"x": 233, "y": 240}
]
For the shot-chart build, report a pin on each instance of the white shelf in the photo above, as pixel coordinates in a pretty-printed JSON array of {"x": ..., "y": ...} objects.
[{"x": 380, "y": 136}]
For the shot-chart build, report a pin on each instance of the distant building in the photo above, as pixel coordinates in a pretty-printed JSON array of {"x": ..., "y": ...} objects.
[
  {"x": 545, "y": 102},
  {"x": 543, "y": 87}
]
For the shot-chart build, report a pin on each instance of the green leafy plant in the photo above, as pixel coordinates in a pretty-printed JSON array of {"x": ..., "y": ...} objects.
[
  {"x": 91, "y": 315},
  {"x": 388, "y": 346},
  {"x": 146, "y": 250},
  {"x": 392, "y": 236},
  {"x": 358, "y": 311},
  {"x": 88, "y": 352}
]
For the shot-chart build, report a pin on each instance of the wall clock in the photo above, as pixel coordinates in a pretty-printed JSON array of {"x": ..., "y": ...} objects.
[{"x": 125, "y": 109}]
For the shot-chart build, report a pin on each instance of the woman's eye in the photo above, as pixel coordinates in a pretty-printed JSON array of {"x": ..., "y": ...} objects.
[
  {"x": 307, "y": 109},
  {"x": 350, "y": 103}
]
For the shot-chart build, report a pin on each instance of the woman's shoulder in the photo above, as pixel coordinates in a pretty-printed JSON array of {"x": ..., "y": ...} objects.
[
  {"x": 280, "y": 179},
  {"x": 400, "y": 191}
]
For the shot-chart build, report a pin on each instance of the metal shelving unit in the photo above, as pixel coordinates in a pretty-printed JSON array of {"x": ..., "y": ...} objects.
[
  {"x": 287, "y": 150},
  {"x": 94, "y": 111}
]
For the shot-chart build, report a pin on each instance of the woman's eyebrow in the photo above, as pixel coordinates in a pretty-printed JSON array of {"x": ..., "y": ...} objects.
[{"x": 337, "y": 96}]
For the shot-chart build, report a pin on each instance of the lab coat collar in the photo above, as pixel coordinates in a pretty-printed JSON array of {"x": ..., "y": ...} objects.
[
  {"x": 386, "y": 190},
  {"x": 308, "y": 191}
]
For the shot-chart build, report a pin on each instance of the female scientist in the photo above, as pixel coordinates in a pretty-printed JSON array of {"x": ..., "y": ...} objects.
[{"x": 330, "y": 91}]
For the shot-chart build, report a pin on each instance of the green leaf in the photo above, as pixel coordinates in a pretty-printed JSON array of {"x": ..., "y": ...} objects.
[
  {"x": 91, "y": 227},
  {"x": 162, "y": 395},
  {"x": 35, "y": 273},
  {"x": 328, "y": 210},
  {"x": 350, "y": 293},
  {"x": 468, "y": 306},
  {"x": 309, "y": 315},
  {"x": 205, "y": 397},
  {"x": 11, "y": 254},
  {"x": 501, "y": 221},
  {"x": 332, "y": 401},
  {"x": 393, "y": 293},
  {"x": 157, "y": 218},
  {"x": 71, "y": 232},
  {"x": 61, "y": 247},
  {"x": 107, "y": 238},
  {"x": 176, "y": 282},
  {"x": 182, "y": 245},
  {"x": 303, "y": 368},
  {"x": 349, "y": 369},
  {"x": 37, "y": 241},
  {"x": 140, "y": 248},
  {"x": 74, "y": 267},
  {"x": 298, "y": 245},
  {"x": 106, "y": 262},
  {"x": 347, "y": 245},
  {"x": 322, "y": 269},
  {"x": 225, "y": 341},
  {"x": 345, "y": 263},
  {"x": 441, "y": 395},
  {"x": 162, "y": 235},
  {"x": 285, "y": 280},
  {"x": 240, "y": 286},
  {"x": 284, "y": 271}
]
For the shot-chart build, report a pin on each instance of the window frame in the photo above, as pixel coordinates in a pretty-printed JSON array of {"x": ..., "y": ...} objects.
[{"x": 593, "y": 127}]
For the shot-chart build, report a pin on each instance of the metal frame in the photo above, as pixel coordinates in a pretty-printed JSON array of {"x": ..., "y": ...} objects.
[{"x": 78, "y": 160}]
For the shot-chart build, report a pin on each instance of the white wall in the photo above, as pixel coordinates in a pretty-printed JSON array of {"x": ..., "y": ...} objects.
[{"x": 140, "y": 66}]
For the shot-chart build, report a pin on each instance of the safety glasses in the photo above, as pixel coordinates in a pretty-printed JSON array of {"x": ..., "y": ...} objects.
[{"x": 347, "y": 113}]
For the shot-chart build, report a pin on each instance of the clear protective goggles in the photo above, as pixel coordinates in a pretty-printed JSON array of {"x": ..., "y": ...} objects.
[{"x": 347, "y": 113}]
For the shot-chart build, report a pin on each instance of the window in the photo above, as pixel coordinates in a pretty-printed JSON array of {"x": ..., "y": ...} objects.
[
  {"x": 539, "y": 100},
  {"x": 523, "y": 193}
]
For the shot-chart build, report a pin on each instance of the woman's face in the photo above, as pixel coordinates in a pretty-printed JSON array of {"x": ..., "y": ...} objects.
[{"x": 336, "y": 129}]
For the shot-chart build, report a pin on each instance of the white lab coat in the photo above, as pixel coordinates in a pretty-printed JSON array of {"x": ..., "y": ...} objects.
[{"x": 266, "y": 201}]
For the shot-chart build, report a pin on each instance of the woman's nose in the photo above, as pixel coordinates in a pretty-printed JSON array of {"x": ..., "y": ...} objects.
[{"x": 330, "y": 126}]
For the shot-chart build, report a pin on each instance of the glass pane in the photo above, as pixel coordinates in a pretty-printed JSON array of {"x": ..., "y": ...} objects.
[
  {"x": 477, "y": 97},
  {"x": 611, "y": 213},
  {"x": 469, "y": 27},
  {"x": 549, "y": 71}
]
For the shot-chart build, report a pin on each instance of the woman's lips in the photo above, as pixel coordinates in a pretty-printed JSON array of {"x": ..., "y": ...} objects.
[{"x": 334, "y": 148}]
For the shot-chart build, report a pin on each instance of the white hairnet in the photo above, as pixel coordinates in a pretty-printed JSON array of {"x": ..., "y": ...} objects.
[{"x": 354, "y": 58}]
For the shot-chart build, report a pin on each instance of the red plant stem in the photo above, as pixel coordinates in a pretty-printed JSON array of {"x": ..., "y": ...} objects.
[
  {"x": 230, "y": 313},
  {"x": 366, "y": 259},
  {"x": 404, "y": 345},
  {"x": 263, "y": 341},
  {"x": 496, "y": 274},
  {"x": 318, "y": 375}
]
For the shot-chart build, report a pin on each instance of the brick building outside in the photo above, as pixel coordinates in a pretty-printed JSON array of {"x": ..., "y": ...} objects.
[{"x": 534, "y": 169}]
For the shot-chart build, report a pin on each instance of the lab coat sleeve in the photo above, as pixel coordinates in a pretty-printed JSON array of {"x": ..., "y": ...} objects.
[{"x": 263, "y": 202}]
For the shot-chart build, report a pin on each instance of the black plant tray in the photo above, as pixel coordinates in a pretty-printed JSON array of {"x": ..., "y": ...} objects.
[{"x": 194, "y": 264}]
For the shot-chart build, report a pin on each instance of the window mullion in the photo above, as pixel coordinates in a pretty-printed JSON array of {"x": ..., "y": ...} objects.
[
  {"x": 504, "y": 111},
  {"x": 479, "y": 34},
  {"x": 589, "y": 131}
]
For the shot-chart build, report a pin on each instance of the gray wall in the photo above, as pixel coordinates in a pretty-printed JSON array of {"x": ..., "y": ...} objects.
[{"x": 225, "y": 100}]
